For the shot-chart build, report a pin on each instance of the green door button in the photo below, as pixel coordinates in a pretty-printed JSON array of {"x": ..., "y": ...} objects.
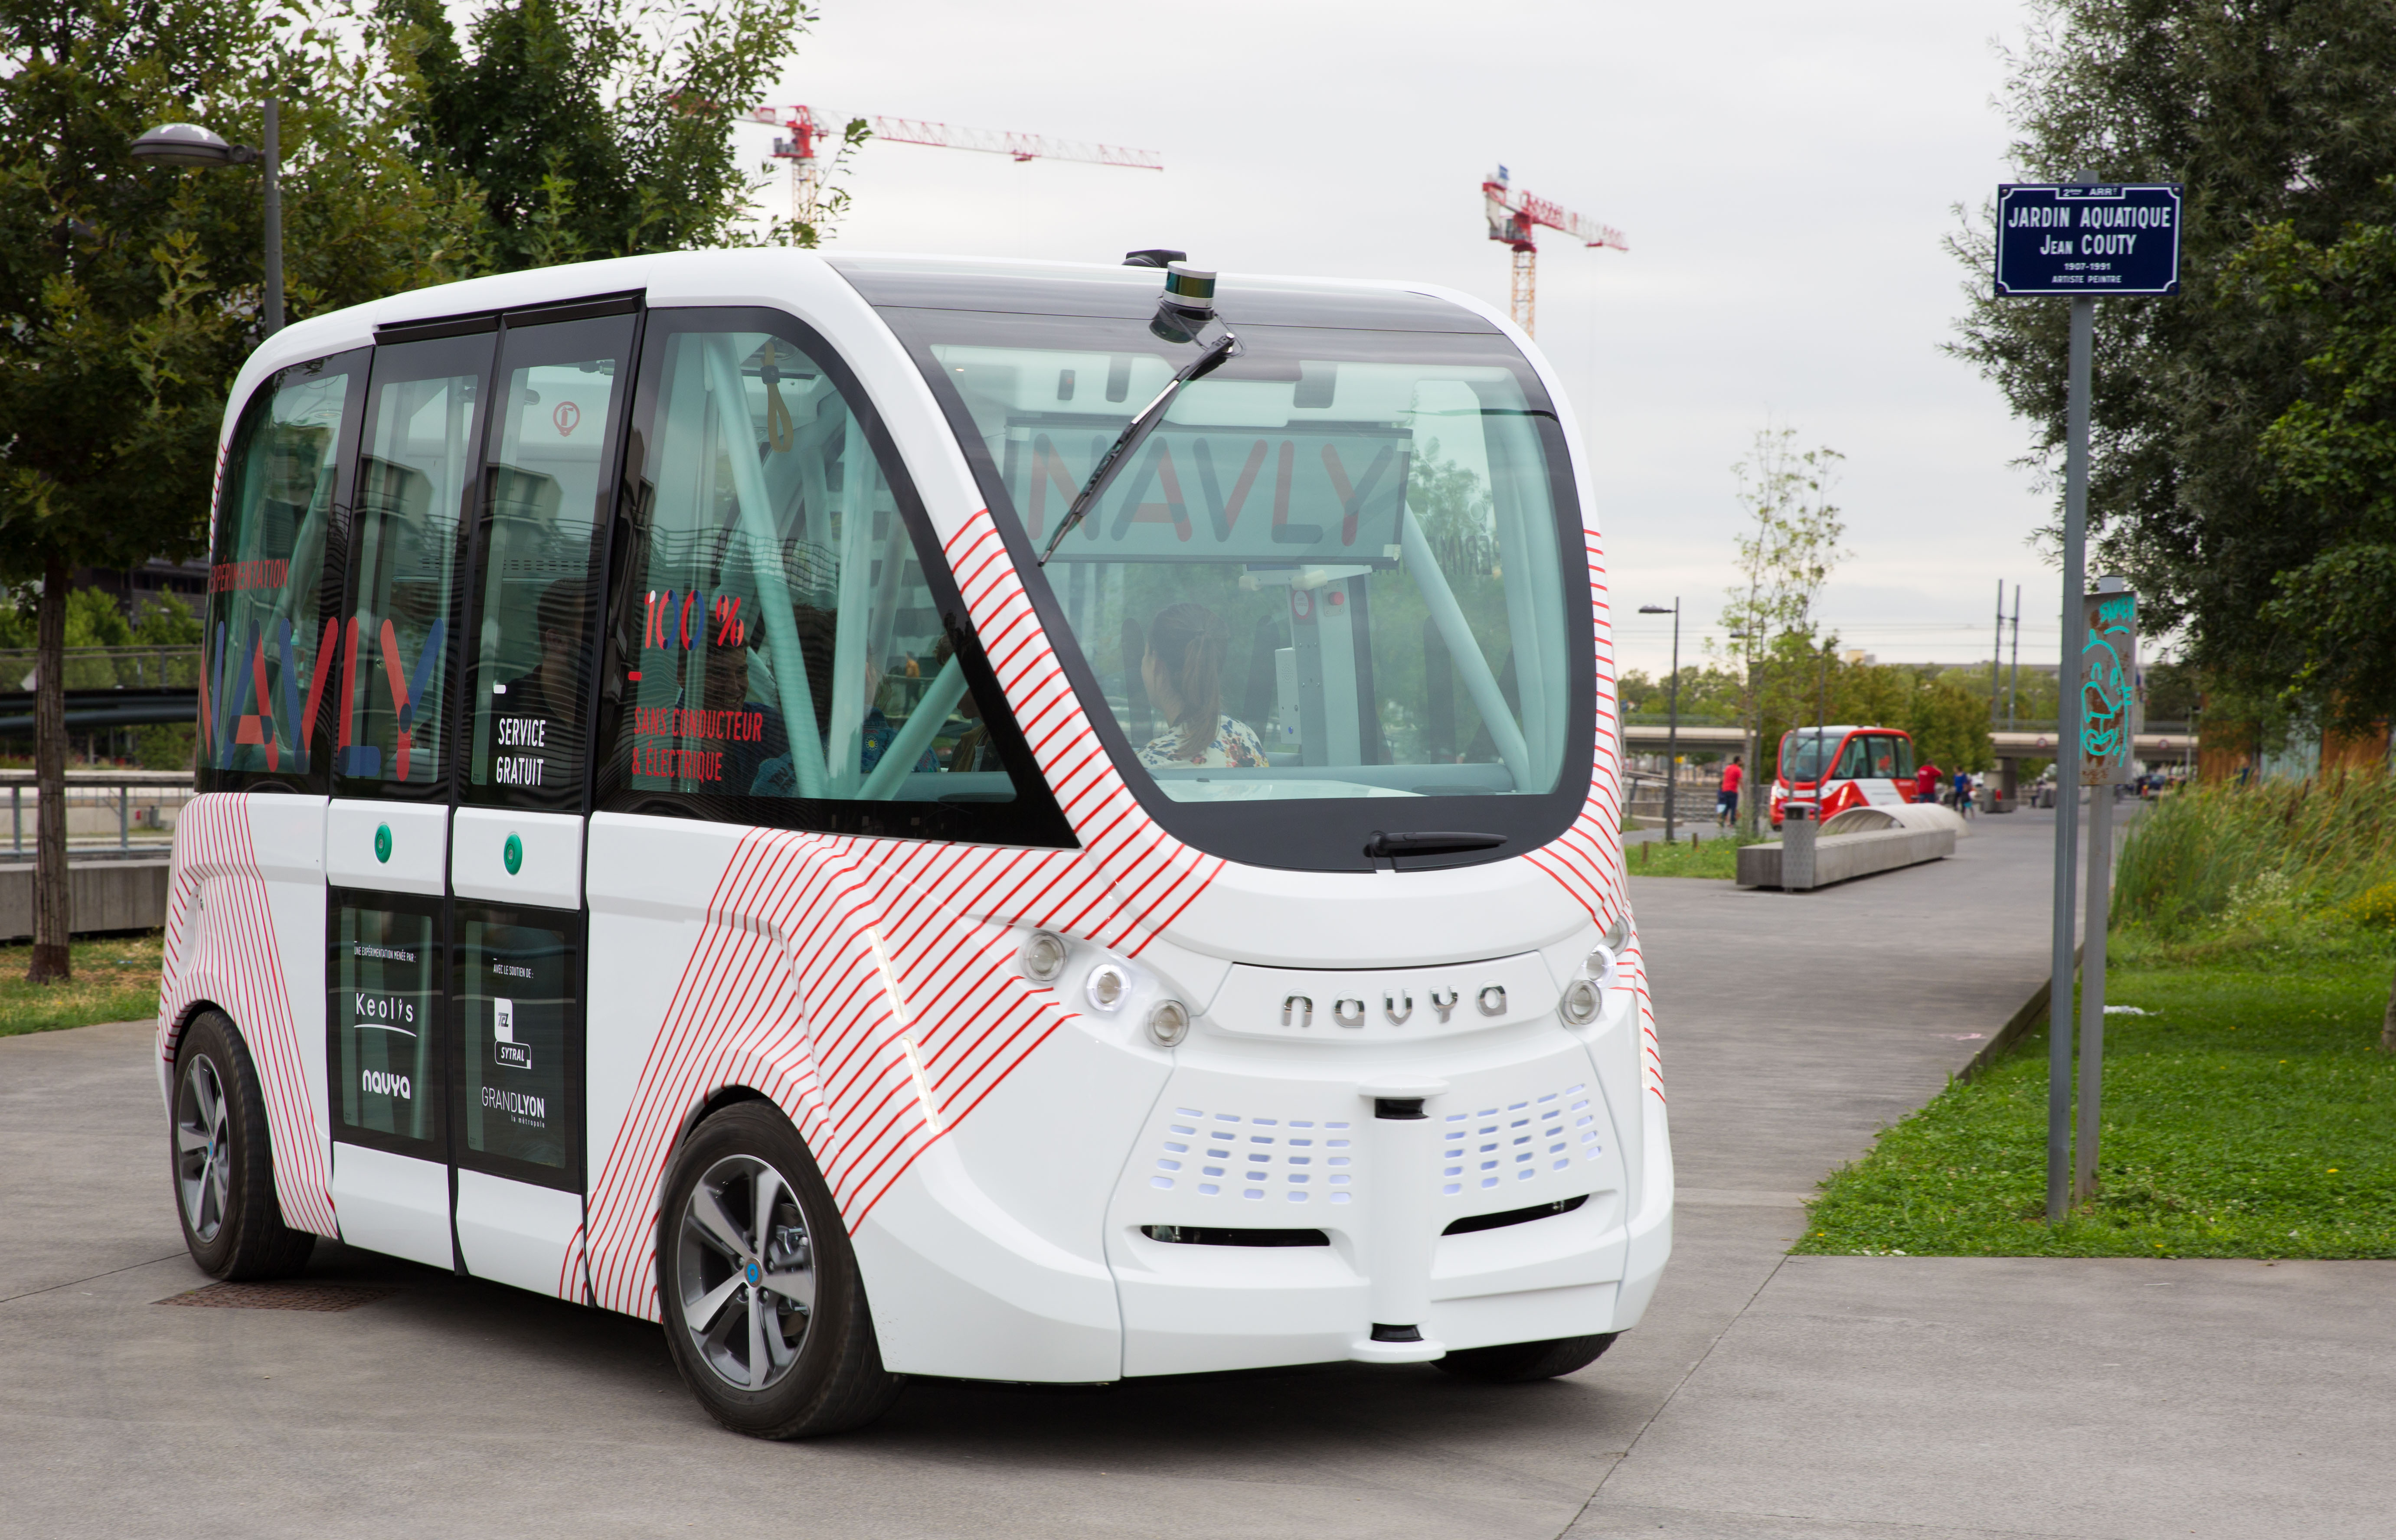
[
  {"x": 512, "y": 854},
  {"x": 383, "y": 843}
]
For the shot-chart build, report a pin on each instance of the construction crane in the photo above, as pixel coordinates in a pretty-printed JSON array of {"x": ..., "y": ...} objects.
[
  {"x": 808, "y": 127},
  {"x": 1513, "y": 216}
]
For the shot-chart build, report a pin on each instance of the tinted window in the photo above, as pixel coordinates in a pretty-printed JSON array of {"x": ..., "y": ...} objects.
[
  {"x": 786, "y": 641},
  {"x": 520, "y": 1029},
  {"x": 415, "y": 472},
  {"x": 552, "y": 464},
  {"x": 385, "y": 1022},
  {"x": 269, "y": 638}
]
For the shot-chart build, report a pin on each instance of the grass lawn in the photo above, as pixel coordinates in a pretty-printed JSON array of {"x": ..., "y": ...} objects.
[
  {"x": 115, "y": 979},
  {"x": 1699, "y": 853},
  {"x": 2249, "y": 1113}
]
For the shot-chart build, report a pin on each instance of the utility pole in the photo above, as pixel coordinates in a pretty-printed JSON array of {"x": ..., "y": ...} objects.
[
  {"x": 2013, "y": 685},
  {"x": 1673, "y": 727},
  {"x": 1996, "y": 652}
]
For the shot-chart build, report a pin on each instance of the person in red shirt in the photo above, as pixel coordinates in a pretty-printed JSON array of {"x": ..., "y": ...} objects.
[
  {"x": 1926, "y": 783},
  {"x": 1726, "y": 800}
]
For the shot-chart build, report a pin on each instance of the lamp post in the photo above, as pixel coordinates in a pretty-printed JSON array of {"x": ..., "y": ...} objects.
[
  {"x": 1754, "y": 712},
  {"x": 189, "y": 144},
  {"x": 1673, "y": 727}
]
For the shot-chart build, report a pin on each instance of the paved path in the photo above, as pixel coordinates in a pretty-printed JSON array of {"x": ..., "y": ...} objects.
[{"x": 1765, "y": 1396}]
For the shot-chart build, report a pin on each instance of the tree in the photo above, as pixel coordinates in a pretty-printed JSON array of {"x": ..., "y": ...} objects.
[
  {"x": 2330, "y": 463},
  {"x": 1786, "y": 550},
  {"x": 132, "y": 293},
  {"x": 597, "y": 127},
  {"x": 2277, "y": 116}
]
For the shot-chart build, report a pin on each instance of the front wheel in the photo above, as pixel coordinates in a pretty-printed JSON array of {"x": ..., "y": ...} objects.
[
  {"x": 765, "y": 1310},
  {"x": 1515, "y": 1362},
  {"x": 224, "y": 1159}
]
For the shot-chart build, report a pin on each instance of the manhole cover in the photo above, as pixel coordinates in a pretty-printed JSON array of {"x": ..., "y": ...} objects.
[{"x": 280, "y": 1296}]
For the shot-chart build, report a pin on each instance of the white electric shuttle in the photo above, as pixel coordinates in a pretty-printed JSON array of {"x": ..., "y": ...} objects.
[{"x": 920, "y": 816}]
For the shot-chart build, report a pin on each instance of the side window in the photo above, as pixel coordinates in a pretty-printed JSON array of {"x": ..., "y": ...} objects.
[
  {"x": 552, "y": 464},
  {"x": 269, "y": 652},
  {"x": 415, "y": 470},
  {"x": 1853, "y": 760},
  {"x": 1900, "y": 757},
  {"x": 780, "y": 640}
]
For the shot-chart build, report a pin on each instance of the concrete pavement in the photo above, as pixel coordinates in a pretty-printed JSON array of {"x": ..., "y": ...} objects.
[{"x": 1765, "y": 1396}]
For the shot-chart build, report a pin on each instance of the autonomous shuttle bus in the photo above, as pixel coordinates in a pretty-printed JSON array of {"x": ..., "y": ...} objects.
[
  {"x": 916, "y": 817},
  {"x": 1836, "y": 768}
]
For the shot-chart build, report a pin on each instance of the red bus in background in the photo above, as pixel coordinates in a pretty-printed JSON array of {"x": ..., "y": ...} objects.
[{"x": 1868, "y": 767}]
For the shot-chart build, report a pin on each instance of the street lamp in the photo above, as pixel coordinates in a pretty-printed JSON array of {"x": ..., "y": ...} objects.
[
  {"x": 1672, "y": 730},
  {"x": 188, "y": 144}
]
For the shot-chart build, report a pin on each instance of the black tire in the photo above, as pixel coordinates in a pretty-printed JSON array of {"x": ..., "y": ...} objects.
[
  {"x": 1517, "y": 1363},
  {"x": 222, "y": 1160},
  {"x": 830, "y": 1379}
]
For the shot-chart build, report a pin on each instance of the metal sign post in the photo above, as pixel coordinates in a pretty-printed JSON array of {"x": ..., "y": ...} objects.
[{"x": 2083, "y": 239}]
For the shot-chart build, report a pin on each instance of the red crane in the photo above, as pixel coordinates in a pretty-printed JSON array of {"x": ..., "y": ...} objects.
[
  {"x": 810, "y": 126},
  {"x": 1514, "y": 215}
]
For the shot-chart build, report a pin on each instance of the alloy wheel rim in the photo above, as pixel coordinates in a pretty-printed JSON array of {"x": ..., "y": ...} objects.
[
  {"x": 202, "y": 1164},
  {"x": 745, "y": 1272}
]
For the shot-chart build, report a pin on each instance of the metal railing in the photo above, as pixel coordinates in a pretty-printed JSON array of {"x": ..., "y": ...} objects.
[
  {"x": 108, "y": 668},
  {"x": 101, "y": 788}
]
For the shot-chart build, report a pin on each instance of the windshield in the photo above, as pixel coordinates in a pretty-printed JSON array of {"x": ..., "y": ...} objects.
[
  {"x": 1342, "y": 573},
  {"x": 1802, "y": 753}
]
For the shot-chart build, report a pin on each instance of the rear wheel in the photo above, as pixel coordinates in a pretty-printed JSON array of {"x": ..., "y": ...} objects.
[
  {"x": 224, "y": 1159},
  {"x": 1514, "y": 1362},
  {"x": 765, "y": 1310}
]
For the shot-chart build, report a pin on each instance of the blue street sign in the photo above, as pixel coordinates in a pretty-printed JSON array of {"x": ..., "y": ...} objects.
[{"x": 2087, "y": 239}]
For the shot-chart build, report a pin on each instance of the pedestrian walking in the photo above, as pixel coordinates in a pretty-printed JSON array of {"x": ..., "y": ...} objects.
[
  {"x": 1964, "y": 793},
  {"x": 1726, "y": 797},
  {"x": 1926, "y": 783}
]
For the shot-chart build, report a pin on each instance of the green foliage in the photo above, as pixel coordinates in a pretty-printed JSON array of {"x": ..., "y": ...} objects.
[
  {"x": 115, "y": 979},
  {"x": 133, "y": 292},
  {"x": 2374, "y": 908},
  {"x": 2332, "y": 461},
  {"x": 2243, "y": 860},
  {"x": 2247, "y": 1113},
  {"x": 1708, "y": 695},
  {"x": 1699, "y": 852},
  {"x": 1948, "y": 718},
  {"x": 596, "y": 127},
  {"x": 2277, "y": 117}
]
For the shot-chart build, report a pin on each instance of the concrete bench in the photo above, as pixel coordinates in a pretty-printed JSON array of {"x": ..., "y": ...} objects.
[{"x": 1840, "y": 858}]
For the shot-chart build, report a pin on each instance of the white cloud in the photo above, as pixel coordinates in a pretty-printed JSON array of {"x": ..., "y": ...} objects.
[{"x": 1784, "y": 174}]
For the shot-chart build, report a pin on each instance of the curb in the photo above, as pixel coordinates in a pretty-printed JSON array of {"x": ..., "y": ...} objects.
[{"x": 2032, "y": 1012}]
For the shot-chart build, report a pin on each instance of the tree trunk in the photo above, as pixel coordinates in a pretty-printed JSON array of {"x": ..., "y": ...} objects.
[{"x": 53, "y": 909}]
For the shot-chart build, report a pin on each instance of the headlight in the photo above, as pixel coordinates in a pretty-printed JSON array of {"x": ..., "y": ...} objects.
[
  {"x": 1108, "y": 985},
  {"x": 1169, "y": 1022},
  {"x": 1043, "y": 957},
  {"x": 1581, "y": 1003}
]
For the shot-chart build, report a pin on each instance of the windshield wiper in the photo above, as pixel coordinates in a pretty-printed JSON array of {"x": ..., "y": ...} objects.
[
  {"x": 1224, "y": 347},
  {"x": 1431, "y": 841}
]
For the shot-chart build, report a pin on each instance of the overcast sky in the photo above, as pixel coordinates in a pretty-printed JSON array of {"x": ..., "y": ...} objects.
[{"x": 1785, "y": 174}]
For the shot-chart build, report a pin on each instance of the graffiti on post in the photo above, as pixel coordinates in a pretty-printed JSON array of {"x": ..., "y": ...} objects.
[{"x": 2109, "y": 673}]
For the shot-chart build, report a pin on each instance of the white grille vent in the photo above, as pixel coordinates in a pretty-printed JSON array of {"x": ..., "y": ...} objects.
[
  {"x": 1499, "y": 1148},
  {"x": 1256, "y": 1160}
]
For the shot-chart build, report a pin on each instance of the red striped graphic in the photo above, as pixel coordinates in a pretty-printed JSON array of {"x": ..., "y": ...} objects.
[{"x": 221, "y": 950}]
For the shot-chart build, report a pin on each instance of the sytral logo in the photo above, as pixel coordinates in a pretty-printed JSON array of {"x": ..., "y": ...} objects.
[{"x": 506, "y": 1051}]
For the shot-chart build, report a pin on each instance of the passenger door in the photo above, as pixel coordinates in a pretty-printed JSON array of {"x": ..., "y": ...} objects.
[{"x": 456, "y": 845}]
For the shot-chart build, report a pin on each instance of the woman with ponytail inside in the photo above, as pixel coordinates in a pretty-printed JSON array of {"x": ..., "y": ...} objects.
[{"x": 1183, "y": 669}]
